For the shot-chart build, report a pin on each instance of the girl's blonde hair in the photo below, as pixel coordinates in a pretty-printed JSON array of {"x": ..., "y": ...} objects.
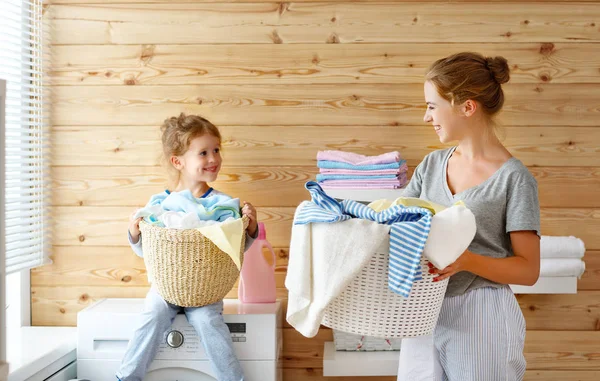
[
  {"x": 177, "y": 134},
  {"x": 467, "y": 75}
]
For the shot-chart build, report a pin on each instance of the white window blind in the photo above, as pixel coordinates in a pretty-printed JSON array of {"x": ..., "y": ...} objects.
[{"x": 26, "y": 185}]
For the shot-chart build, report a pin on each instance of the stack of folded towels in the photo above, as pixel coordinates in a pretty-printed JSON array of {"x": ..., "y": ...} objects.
[
  {"x": 561, "y": 257},
  {"x": 347, "y": 170}
]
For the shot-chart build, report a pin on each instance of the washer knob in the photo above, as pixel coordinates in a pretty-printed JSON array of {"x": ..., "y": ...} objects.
[{"x": 174, "y": 339}]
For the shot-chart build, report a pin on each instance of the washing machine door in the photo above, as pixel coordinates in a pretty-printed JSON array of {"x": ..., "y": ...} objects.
[{"x": 177, "y": 374}]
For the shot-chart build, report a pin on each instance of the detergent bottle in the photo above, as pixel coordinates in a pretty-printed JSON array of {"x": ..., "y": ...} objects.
[{"x": 257, "y": 278}]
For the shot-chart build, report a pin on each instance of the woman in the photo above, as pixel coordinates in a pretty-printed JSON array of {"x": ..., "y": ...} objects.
[{"x": 480, "y": 333}]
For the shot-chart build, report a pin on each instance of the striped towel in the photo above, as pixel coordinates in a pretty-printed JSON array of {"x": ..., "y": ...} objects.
[
  {"x": 408, "y": 234},
  {"x": 372, "y": 167}
]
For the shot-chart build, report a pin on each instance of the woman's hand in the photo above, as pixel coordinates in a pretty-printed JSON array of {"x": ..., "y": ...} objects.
[
  {"x": 459, "y": 265},
  {"x": 249, "y": 211},
  {"x": 521, "y": 268}
]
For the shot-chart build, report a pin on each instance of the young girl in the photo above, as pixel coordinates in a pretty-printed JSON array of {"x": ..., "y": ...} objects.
[
  {"x": 481, "y": 330},
  {"x": 192, "y": 146}
]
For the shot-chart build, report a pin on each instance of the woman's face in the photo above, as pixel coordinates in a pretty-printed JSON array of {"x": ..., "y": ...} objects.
[{"x": 447, "y": 120}]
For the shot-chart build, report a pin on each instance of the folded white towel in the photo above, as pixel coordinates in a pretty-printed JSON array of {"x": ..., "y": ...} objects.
[
  {"x": 419, "y": 360},
  {"x": 324, "y": 258},
  {"x": 561, "y": 247},
  {"x": 561, "y": 267}
]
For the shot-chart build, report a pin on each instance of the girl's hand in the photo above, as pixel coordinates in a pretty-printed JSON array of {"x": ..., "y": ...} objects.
[
  {"x": 459, "y": 265},
  {"x": 248, "y": 210},
  {"x": 134, "y": 228}
]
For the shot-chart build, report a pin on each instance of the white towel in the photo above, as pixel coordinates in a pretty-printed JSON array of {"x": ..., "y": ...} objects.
[
  {"x": 452, "y": 231},
  {"x": 561, "y": 247},
  {"x": 324, "y": 258},
  {"x": 419, "y": 360},
  {"x": 560, "y": 267}
]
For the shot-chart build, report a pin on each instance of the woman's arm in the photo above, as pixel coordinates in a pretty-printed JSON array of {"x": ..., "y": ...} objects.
[{"x": 523, "y": 268}]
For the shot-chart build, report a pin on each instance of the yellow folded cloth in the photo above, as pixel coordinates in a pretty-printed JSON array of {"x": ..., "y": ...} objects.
[{"x": 228, "y": 237}]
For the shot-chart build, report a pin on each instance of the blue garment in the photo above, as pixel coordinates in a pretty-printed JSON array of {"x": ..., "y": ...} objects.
[
  {"x": 218, "y": 207},
  {"x": 157, "y": 199},
  {"x": 408, "y": 234},
  {"x": 371, "y": 167},
  {"x": 325, "y": 177}
]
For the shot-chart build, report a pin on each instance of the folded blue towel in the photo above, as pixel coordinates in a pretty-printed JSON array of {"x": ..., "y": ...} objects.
[
  {"x": 373, "y": 167},
  {"x": 321, "y": 177}
]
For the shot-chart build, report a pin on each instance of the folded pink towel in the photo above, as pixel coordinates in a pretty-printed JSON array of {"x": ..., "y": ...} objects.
[
  {"x": 360, "y": 173},
  {"x": 356, "y": 159},
  {"x": 370, "y": 184}
]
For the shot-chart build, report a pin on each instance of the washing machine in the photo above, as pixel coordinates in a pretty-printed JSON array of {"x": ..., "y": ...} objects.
[{"x": 105, "y": 328}]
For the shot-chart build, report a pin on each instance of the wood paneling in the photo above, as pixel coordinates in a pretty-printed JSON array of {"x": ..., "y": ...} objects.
[
  {"x": 307, "y": 63},
  {"x": 275, "y": 186},
  {"x": 321, "y": 23},
  {"x": 107, "y": 226},
  {"x": 125, "y": 145},
  {"x": 316, "y": 374},
  {"x": 578, "y": 312},
  {"x": 284, "y": 80},
  {"x": 544, "y": 350},
  {"x": 315, "y": 104}
]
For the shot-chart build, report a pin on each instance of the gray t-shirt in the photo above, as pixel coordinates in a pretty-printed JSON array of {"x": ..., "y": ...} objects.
[{"x": 505, "y": 202}]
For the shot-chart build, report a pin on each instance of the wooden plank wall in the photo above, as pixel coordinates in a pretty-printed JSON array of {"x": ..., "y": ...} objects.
[{"x": 283, "y": 80}]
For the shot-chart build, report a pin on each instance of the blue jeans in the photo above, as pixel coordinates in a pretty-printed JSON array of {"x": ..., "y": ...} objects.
[{"x": 156, "y": 319}]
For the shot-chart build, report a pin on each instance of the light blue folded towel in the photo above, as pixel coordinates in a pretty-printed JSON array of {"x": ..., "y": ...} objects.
[{"x": 373, "y": 167}]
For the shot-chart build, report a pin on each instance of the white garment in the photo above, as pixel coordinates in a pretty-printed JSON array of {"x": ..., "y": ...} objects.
[
  {"x": 452, "y": 231},
  {"x": 324, "y": 258},
  {"x": 419, "y": 360},
  {"x": 561, "y": 247},
  {"x": 561, "y": 267}
]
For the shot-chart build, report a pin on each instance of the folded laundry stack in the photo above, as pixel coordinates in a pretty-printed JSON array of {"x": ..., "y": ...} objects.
[
  {"x": 561, "y": 257},
  {"x": 347, "y": 170}
]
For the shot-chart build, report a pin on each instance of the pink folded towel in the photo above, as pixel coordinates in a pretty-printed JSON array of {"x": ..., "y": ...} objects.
[
  {"x": 360, "y": 173},
  {"x": 365, "y": 184},
  {"x": 357, "y": 159}
]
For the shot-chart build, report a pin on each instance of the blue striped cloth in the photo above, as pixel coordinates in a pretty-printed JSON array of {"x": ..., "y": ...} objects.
[
  {"x": 326, "y": 177},
  {"x": 371, "y": 167},
  {"x": 408, "y": 234}
]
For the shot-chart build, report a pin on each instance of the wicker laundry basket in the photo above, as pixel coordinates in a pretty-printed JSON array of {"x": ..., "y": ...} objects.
[
  {"x": 368, "y": 307},
  {"x": 187, "y": 268},
  {"x": 345, "y": 341}
]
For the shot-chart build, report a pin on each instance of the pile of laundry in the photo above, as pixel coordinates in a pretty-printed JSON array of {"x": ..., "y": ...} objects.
[
  {"x": 217, "y": 218},
  {"x": 332, "y": 241},
  {"x": 181, "y": 210},
  {"x": 347, "y": 170}
]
